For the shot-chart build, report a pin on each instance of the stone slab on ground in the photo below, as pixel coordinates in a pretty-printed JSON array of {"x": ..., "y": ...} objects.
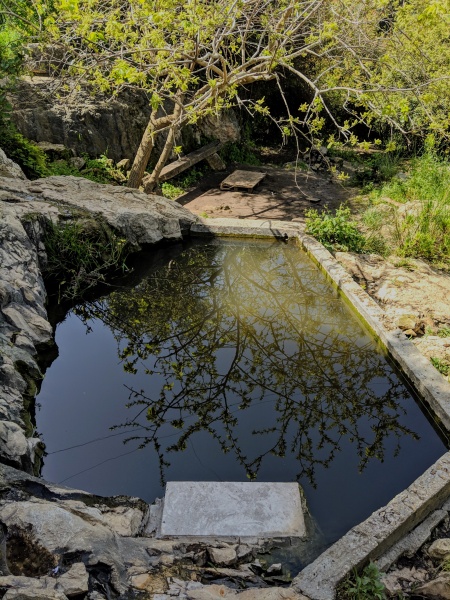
[{"x": 232, "y": 509}]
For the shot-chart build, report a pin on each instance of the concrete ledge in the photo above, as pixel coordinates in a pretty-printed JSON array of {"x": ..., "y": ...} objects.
[
  {"x": 433, "y": 388},
  {"x": 371, "y": 538},
  {"x": 247, "y": 227}
]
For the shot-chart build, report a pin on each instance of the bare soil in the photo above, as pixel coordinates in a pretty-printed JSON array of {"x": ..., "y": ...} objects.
[{"x": 284, "y": 194}]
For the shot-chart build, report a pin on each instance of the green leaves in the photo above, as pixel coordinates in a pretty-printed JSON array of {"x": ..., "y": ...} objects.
[
  {"x": 365, "y": 586},
  {"x": 335, "y": 232}
]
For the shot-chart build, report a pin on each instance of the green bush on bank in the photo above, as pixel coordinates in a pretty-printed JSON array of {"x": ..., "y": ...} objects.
[
  {"x": 80, "y": 254},
  {"x": 335, "y": 232},
  {"x": 364, "y": 585}
]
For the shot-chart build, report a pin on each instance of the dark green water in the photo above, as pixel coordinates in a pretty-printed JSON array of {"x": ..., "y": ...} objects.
[{"x": 229, "y": 361}]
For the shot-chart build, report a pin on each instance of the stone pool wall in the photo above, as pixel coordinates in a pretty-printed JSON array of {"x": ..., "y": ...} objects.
[{"x": 56, "y": 542}]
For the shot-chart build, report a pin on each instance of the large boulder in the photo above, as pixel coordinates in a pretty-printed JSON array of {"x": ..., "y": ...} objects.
[{"x": 140, "y": 218}]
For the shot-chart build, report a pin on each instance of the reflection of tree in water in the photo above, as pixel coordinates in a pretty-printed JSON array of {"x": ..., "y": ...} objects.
[{"x": 226, "y": 326}]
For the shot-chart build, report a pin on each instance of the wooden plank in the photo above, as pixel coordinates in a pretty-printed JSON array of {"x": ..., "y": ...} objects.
[
  {"x": 183, "y": 163},
  {"x": 242, "y": 179}
]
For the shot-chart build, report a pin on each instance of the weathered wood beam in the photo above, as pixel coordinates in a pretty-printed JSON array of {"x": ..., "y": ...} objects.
[{"x": 191, "y": 159}]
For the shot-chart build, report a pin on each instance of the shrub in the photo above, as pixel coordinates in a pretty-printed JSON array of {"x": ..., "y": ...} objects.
[
  {"x": 335, "y": 232},
  {"x": 80, "y": 255},
  {"x": 440, "y": 365},
  {"x": 364, "y": 586},
  {"x": 421, "y": 230}
]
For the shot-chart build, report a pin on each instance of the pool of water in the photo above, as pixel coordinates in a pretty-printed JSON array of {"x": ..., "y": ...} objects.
[{"x": 231, "y": 361}]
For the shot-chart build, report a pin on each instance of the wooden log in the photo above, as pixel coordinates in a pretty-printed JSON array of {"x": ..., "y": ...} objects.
[{"x": 183, "y": 163}]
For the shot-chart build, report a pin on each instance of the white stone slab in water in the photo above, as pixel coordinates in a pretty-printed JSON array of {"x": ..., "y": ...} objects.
[{"x": 232, "y": 509}]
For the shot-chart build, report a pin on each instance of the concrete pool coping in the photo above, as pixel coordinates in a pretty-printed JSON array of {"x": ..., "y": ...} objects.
[{"x": 376, "y": 535}]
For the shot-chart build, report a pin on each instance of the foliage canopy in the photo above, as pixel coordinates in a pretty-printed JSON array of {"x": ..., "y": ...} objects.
[{"x": 381, "y": 62}]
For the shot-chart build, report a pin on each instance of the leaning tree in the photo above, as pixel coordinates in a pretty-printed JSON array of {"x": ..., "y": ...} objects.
[{"x": 194, "y": 59}]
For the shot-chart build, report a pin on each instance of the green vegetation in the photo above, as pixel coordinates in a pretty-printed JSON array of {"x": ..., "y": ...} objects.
[
  {"x": 80, "y": 254},
  {"x": 444, "y": 332},
  {"x": 383, "y": 66},
  {"x": 243, "y": 153},
  {"x": 101, "y": 170},
  {"x": 440, "y": 365},
  {"x": 27, "y": 154},
  {"x": 179, "y": 185},
  {"x": 364, "y": 586},
  {"x": 171, "y": 191},
  {"x": 335, "y": 232},
  {"x": 411, "y": 211}
]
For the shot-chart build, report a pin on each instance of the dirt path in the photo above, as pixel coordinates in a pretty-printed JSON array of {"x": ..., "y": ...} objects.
[{"x": 282, "y": 195}]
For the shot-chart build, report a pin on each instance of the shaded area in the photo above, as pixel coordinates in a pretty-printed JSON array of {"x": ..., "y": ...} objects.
[{"x": 284, "y": 194}]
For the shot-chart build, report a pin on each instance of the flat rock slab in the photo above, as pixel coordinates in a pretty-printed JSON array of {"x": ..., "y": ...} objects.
[
  {"x": 242, "y": 179},
  {"x": 232, "y": 509}
]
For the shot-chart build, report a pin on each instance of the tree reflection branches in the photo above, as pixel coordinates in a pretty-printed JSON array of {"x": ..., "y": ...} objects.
[{"x": 233, "y": 334}]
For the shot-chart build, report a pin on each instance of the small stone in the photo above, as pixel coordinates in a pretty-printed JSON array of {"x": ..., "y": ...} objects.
[
  {"x": 75, "y": 581},
  {"x": 410, "y": 332},
  {"x": 275, "y": 568},
  {"x": 401, "y": 580},
  {"x": 167, "y": 560},
  {"x": 244, "y": 552},
  {"x": 216, "y": 163},
  {"x": 402, "y": 176},
  {"x": 439, "y": 548},
  {"x": 257, "y": 565},
  {"x": 406, "y": 322},
  {"x": 77, "y": 162},
  {"x": 211, "y": 592},
  {"x": 224, "y": 557}
]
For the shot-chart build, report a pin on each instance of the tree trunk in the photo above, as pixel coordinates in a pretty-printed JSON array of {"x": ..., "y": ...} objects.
[
  {"x": 143, "y": 154},
  {"x": 151, "y": 180}
]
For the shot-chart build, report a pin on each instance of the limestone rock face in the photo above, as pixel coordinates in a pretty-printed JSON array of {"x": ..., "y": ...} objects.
[
  {"x": 23, "y": 325},
  {"x": 85, "y": 125},
  {"x": 223, "y": 557},
  {"x": 25, "y": 206},
  {"x": 9, "y": 168},
  {"x": 99, "y": 125},
  {"x": 138, "y": 217}
]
